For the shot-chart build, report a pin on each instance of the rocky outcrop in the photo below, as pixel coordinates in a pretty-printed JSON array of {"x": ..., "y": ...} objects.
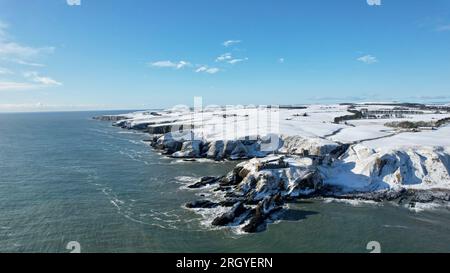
[
  {"x": 216, "y": 150},
  {"x": 201, "y": 204},
  {"x": 262, "y": 212},
  {"x": 111, "y": 117},
  {"x": 257, "y": 188},
  {"x": 364, "y": 169},
  {"x": 297, "y": 145},
  {"x": 235, "y": 212},
  {"x": 189, "y": 149},
  {"x": 205, "y": 181}
]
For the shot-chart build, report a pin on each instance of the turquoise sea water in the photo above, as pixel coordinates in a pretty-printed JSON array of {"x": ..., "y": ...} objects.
[{"x": 65, "y": 177}]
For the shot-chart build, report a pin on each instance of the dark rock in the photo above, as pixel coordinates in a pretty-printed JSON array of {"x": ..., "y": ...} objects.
[
  {"x": 312, "y": 181},
  {"x": 216, "y": 150},
  {"x": 205, "y": 181},
  {"x": 230, "y": 202},
  {"x": 159, "y": 129},
  {"x": 263, "y": 210},
  {"x": 274, "y": 164},
  {"x": 139, "y": 126},
  {"x": 111, "y": 118},
  {"x": 340, "y": 150},
  {"x": 229, "y": 217},
  {"x": 201, "y": 204},
  {"x": 189, "y": 149},
  {"x": 256, "y": 221},
  {"x": 239, "y": 151},
  {"x": 230, "y": 145}
]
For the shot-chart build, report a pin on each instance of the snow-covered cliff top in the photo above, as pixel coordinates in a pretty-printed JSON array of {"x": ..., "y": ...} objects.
[
  {"x": 315, "y": 121},
  {"x": 368, "y": 153}
]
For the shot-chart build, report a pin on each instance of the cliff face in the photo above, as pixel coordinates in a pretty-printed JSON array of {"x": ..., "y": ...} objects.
[{"x": 365, "y": 169}]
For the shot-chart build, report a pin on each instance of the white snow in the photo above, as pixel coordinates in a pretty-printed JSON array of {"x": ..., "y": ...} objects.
[{"x": 380, "y": 157}]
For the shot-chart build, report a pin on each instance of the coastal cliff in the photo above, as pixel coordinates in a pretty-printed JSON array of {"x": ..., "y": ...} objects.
[{"x": 311, "y": 156}]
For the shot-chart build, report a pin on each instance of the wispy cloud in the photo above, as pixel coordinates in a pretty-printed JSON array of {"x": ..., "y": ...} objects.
[
  {"x": 5, "y": 71},
  {"x": 228, "y": 57},
  {"x": 368, "y": 59},
  {"x": 170, "y": 64},
  {"x": 36, "y": 82},
  {"x": 281, "y": 60},
  {"x": 17, "y": 86},
  {"x": 12, "y": 51},
  {"x": 3, "y": 27},
  {"x": 235, "y": 61},
  {"x": 224, "y": 57},
  {"x": 40, "y": 106},
  {"x": 339, "y": 99},
  {"x": 443, "y": 28},
  {"x": 22, "y": 62},
  {"x": 206, "y": 69},
  {"x": 374, "y": 2},
  {"x": 46, "y": 81},
  {"x": 10, "y": 48},
  {"x": 231, "y": 43},
  {"x": 73, "y": 2}
]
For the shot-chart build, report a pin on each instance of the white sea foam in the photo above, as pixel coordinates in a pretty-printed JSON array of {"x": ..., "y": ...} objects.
[
  {"x": 352, "y": 202},
  {"x": 420, "y": 207},
  {"x": 186, "y": 179},
  {"x": 395, "y": 226}
]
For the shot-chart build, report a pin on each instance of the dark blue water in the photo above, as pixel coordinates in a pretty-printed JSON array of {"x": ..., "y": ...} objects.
[{"x": 65, "y": 177}]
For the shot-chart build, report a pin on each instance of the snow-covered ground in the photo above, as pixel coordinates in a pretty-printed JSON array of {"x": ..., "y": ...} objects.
[{"x": 379, "y": 156}]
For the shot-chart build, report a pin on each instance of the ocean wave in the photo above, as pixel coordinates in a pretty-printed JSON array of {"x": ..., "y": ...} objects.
[
  {"x": 395, "y": 226},
  {"x": 420, "y": 207},
  {"x": 352, "y": 202},
  {"x": 186, "y": 179}
]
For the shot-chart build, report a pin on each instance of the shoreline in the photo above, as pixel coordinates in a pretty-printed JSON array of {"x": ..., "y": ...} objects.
[{"x": 298, "y": 168}]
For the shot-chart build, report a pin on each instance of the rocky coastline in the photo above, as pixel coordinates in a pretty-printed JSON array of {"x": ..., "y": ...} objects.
[{"x": 265, "y": 180}]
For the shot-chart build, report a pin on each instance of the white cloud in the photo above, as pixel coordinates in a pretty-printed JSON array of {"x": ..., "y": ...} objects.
[
  {"x": 46, "y": 81},
  {"x": 206, "y": 69},
  {"x": 224, "y": 57},
  {"x": 212, "y": 70},
  {"x": 374, "y": 2},
  {"x": 170, "y": 64},
  {"x": 73, "y": 2},
  {"x": 201, "y": 69},
  {"x": 235, "y": 61},
  {"x": 231, "y": 43},
  {"x": 368, "y": 59},
  {"x": 228, "y": 57}
]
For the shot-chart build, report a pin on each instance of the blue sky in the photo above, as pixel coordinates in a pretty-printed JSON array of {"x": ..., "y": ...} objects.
[{"x": 115, "y": 54}]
